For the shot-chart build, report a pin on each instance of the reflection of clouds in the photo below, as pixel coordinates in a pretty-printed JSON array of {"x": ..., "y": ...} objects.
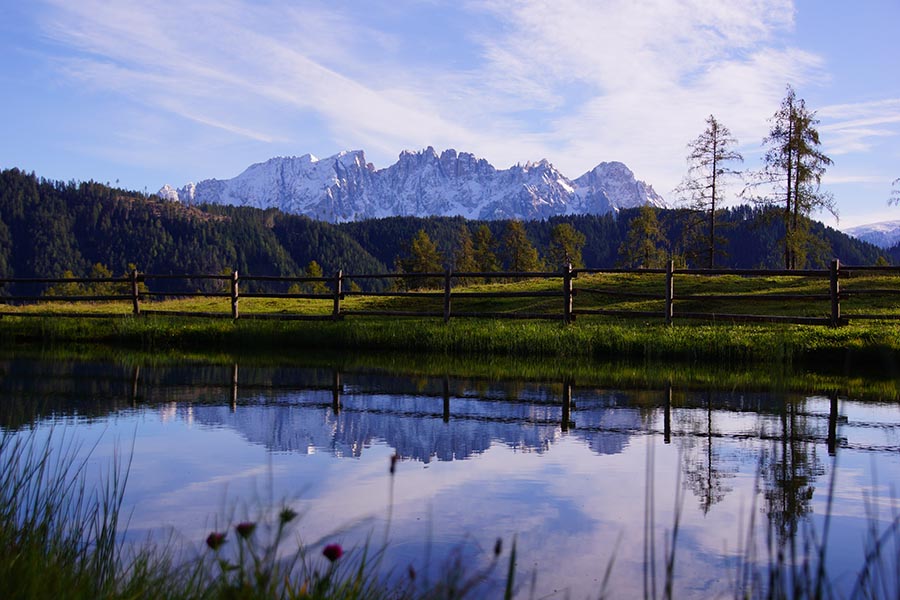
[
  {"x": 168, "y": 411},
  {"x": 575, "y": 499},
  {"x": 861, "y": 493}
]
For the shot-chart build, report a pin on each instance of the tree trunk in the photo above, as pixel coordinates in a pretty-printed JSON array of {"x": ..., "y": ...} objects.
[{"x": 712, "y": 207}]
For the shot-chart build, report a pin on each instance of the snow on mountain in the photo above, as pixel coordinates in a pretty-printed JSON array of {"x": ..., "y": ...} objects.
[
  {"x": 613, "y": 184},
  {"x": 345, "y": 187},
  {"x": 884, "y": 234}
]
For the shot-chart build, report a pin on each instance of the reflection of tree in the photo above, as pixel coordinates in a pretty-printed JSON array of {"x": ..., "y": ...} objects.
[
  {"x": 789, "y": 468},
  {"x": 704, "y": 469}
]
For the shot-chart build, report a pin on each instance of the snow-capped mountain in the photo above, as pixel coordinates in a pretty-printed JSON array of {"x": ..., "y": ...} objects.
[
  {"x": 884, "y": 234},
  {"x": 345, "y": 187}
]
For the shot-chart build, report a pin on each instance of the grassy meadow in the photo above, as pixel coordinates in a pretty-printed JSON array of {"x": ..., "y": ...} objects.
[
  {"x": 648, "y": 337},
  {"x": 645, "y": 338},
  {"x": 62, "y": 539}
]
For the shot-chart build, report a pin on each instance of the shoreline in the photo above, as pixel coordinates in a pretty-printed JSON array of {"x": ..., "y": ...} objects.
[{"x": 857, "y": 347}]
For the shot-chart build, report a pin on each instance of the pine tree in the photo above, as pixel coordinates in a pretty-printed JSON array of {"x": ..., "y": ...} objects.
[
  {"x": 794, "y": 166},
  {"x": 895, "y": 193},
  {"x": 518, "y": 252},
  {"x": 645, "y": 245},
  {"x": 703, "y": 186}
]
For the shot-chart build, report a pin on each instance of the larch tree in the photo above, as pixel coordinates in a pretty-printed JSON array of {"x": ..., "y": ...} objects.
[
  {"x": 464, "y": 256},
  {"x": 645, "y": 245},
  {"x": 895, "y": 193},
  {"x": 518, "y": 252},
  {"x": 566, "y": 244},
  {"x": 709, "y": 160},
  {"x": 486, "y": 250},
  {"x": 313, "y": 269},
  {"x": 793, "y": 166},
  {"x": 422, "y": 256}
]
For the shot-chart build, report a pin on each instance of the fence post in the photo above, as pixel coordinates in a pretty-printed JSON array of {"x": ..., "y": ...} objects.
[
  {"x": 234, "y": 387},
  {"x": 667, "y": 416},
  {"x": 670, "y": 291},
  {"x": 446, "y": 390},
  {"x": 234, "y": 295},
  {"x": 135, "y": 305},
  {"x": 567, "y": 294},
  {"x": 336, "y": 389},
  {"x": 832, "y": 426},
  {"x": 447, "y": 296},
  {"x": 336, "y": 311},
  {"x": 835, "y": 293},
  {"x": 135, "y": 379}
]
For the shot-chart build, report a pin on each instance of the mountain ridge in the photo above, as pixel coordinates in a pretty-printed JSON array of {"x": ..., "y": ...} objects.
[
  {"x": 346, "y": 187},
  {"x": 884, "y": 234}
]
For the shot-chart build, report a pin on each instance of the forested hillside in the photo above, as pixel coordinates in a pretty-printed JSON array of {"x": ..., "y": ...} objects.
[
  {"x": 751, "y": 237},
  {"x": 48, "y": 228}
]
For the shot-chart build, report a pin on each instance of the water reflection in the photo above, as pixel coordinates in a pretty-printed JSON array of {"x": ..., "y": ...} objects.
[
  {"x": 546, "y": 459},
  {"x": 305, "y": 410}
]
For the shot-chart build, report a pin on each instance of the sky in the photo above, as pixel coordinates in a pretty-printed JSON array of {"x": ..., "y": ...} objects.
[{"x": 151, "y": 92}]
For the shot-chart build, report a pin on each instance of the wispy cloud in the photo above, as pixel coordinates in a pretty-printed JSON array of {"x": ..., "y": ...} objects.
[
  {"x": 855, "y": 127},
  {"x": 576, "y": 81},
  {"x": 653, "y": 70}
]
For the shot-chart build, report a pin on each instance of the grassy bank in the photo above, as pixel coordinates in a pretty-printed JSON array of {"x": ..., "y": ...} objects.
[
  {"x": 860, "y": 343},
  {"x": 876, "y": 380}
]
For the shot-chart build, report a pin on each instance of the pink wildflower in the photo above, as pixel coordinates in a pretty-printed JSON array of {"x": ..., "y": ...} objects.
[{"x": 333, "y": 552}]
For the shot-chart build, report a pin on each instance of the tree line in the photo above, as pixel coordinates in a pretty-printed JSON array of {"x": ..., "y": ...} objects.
[
  {"x": 48, "y": 229},
  {"x": 788, "y": 181}
]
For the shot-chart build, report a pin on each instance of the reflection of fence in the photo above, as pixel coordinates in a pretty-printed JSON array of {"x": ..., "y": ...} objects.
[
  {"x": 698, "y": 304},
  {"x": 564, "y": 395}
]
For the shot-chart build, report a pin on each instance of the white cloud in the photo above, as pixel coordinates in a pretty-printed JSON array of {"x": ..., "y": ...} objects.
[
  {"x": 855, "y": 128},
  {"x": 574, "y": 81},
  {"x": 655, "y": 70}
]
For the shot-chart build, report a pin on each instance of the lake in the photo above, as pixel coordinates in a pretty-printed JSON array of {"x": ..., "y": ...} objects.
[{"x": 581, "y": 475}]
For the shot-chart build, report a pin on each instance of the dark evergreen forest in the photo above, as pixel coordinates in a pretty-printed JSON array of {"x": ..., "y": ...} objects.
[{"x": 50, "y": 227}]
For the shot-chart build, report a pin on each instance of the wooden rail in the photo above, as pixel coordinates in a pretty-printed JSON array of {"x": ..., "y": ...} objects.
[{"x": 132, "y": 288}]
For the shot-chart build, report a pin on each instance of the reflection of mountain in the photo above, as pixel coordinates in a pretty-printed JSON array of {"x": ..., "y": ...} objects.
[
  {"x": 414, "y": 425},
  {"x": 606, "y": 430},
  {"x": 291, "y": 409}
]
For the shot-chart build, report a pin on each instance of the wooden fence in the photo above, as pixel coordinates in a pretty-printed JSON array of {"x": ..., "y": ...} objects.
[{"x": 133, "y": 289}]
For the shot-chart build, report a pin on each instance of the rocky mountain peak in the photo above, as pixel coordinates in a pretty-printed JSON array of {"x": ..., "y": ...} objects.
[{"x": 346, "y": 187}]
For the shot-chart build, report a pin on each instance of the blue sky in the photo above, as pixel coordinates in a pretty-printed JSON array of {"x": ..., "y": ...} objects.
[{"x": 153, "y": 92}]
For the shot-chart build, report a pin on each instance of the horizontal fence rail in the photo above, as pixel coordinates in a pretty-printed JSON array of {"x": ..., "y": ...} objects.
[{"x": 453, "y": 289}]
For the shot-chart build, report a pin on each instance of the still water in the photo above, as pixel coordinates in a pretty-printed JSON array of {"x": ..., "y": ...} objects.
[{"x": 583, "y": 476}]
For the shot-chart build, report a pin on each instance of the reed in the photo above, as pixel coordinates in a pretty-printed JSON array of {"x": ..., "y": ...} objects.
[{"x": 61, "y": 540}]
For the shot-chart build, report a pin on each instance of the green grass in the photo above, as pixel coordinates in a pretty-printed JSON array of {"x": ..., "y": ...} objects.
[{"x": 862, "y": 342}]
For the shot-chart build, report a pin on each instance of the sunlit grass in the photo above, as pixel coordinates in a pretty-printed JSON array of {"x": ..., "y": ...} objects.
[{"x": 590, "y": 336}]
